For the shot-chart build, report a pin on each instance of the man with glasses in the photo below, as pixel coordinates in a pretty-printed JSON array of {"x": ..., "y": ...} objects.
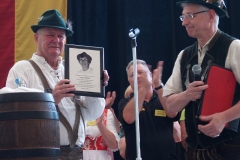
[{"x": 210, "y": 140}]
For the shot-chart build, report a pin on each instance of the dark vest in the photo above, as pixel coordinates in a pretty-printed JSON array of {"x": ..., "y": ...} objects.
[{"x": 217, "y": 53}]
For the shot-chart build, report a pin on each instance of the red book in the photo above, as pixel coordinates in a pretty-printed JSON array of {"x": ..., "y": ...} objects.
[{"x": 218, "y": 97}]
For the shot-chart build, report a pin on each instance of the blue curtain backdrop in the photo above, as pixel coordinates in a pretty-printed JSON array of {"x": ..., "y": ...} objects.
[{"x": 106, "y": 23}]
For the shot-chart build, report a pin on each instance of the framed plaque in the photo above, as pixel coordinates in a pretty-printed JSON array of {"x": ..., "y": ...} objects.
[{"x": 84, "y": 68}]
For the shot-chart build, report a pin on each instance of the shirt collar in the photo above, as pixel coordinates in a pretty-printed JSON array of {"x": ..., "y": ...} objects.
[
  {"x": 44, "y": 62},
  {"x": 205, "y": 47},
  {"x": 153, "y": 96}
]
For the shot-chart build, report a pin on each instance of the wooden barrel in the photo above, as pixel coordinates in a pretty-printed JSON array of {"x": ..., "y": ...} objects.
[{"x": 29, "y": 127}]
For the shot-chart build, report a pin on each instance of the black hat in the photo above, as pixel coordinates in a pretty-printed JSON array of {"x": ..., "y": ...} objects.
[
  {"x": 217, "y": 5},
  {"x": 84, "y": 54},
  {"x": 52, "y": 19}
]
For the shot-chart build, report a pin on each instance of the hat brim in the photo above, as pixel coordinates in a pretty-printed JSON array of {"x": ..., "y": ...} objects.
[
  {"x": 37, "y": 27},
  {"x": 219, "y": 11}
]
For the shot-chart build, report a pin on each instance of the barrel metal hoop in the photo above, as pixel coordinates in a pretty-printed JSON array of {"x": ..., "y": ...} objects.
[
  {"x": 26, "y": 96},
  {"x": 21, "y": 153},
  {"x": 20, "y": 115}
]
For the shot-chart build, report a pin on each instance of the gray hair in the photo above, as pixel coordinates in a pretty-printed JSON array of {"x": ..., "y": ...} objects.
[
  {"x": 139, "y": 61},
  {"x": 39, "y": 31}
]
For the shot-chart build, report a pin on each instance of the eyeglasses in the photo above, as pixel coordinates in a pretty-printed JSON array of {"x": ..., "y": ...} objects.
[{"x": 190, "y": 15}]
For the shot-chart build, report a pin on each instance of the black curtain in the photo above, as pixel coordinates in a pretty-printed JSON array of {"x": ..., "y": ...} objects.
[{"x": 106, "y": 23}]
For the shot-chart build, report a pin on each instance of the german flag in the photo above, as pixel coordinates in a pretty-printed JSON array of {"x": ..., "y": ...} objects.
[{"x": 16, "y": 37}]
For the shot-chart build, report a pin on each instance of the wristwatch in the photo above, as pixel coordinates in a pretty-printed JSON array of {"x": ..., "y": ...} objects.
[{"x": 157, "y": 88}]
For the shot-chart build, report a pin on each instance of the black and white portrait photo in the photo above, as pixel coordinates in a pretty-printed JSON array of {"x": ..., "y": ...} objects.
[
  {"x": 85, "y": 60},
  {"x": 84, "y": 67}
]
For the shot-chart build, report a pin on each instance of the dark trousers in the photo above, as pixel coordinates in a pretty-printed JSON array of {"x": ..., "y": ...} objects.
[{"x": 224, "y": 151}]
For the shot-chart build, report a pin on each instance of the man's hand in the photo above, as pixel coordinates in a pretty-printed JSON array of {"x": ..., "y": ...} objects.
[
  {"x": 62, "y": 90},
  {"x": 195, "y": 89},
  {"x": 216, "y": 124},
  {"x": 157, "y": 74},
  {"x": 106, "y": 78},
  {"x": 109, "y": 100}
]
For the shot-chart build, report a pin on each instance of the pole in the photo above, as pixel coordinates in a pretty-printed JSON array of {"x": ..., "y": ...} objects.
[{"x": 133, "y": 34}]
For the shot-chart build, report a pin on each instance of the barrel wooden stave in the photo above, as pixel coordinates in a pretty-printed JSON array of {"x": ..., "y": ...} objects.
[{"x": 32, "y": 133}]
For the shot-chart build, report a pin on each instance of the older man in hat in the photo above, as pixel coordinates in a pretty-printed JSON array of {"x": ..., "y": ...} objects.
[
  {"x": 211, "y": 139},
  {"x": 50, "y": 35}
]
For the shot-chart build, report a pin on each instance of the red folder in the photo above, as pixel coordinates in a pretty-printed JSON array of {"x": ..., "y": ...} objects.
[{"x": 218, "y": 97}]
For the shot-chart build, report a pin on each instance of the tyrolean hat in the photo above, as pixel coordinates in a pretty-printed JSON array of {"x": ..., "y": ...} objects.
[
  {"x": 52, "y": 19},
  {"x": 217, "y": 5}
]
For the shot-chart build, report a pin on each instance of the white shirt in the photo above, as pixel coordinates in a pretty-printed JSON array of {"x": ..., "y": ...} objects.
[
  {"x": 89, "y": 71},
  {"x": 94, "y": 106},
  {"x": 174, "y": 84}
]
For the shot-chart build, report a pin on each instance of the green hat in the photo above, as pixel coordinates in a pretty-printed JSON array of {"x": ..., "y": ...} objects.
[
  {"x": 217, "y": 5},
  {"x": 52, "y": 19}
]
